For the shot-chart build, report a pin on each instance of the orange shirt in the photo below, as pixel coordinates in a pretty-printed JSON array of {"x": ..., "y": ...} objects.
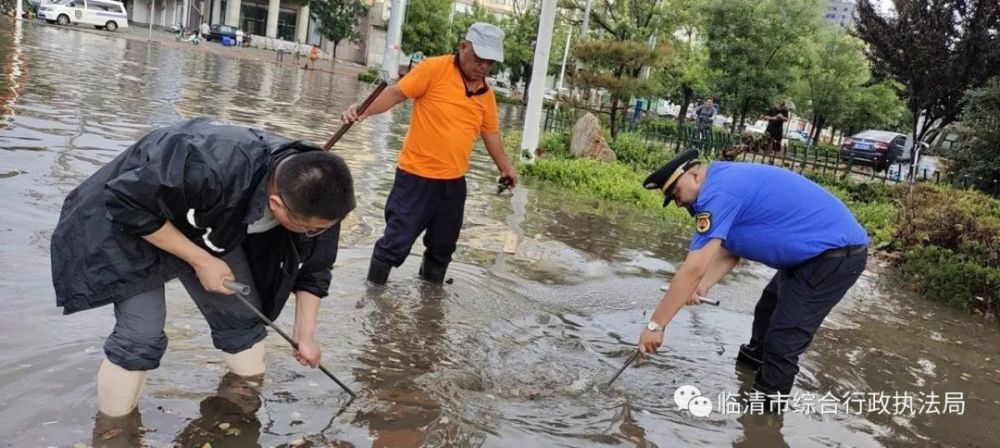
[{"x": 445, "y": 122}]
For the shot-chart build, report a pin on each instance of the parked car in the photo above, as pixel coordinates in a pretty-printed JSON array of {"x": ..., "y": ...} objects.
[
  {"x": 877, "y": 148},
  {"x": 799, "y": 136},
  {"x": 216, "y": 32},
  {"x": 552, "y": 94},
  {"x": 500, "y": 88},
  {"x": 948, "y": 139},
  {"x": 102, "y": 14}
]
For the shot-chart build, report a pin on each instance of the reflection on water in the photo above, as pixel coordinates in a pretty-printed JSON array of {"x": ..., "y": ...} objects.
[{"x": 514, "y": 353}]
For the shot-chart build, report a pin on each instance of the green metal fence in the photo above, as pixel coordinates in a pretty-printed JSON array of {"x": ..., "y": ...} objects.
[{"x": 796, "y": 156}]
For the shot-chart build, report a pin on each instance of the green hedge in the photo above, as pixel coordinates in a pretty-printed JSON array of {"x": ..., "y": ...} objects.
[
  {"x": 952, "y": 278},
  {"x": 603, "y": 180},
  {"x": 370, "y": 75},
  {"x": 631, "y": 149}
]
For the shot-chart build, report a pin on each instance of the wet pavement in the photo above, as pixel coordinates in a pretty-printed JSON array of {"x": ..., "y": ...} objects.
[{"x": 514, "y": 353}]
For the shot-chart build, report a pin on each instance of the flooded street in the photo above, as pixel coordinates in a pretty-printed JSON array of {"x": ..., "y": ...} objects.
[{"x": 515, "y": 352}]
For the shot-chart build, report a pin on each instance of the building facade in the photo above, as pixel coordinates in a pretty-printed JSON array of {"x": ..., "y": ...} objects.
[
  {"x": 840, "y": 12},
  {"x": 496, "y": 7},
  {"x": 277, "y": 19},
  {"x": 268, "y": 22}
]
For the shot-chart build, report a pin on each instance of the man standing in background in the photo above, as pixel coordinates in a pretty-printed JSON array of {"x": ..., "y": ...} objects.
[
  {"x": 776, "y": 118},
  {"x": 453, "y": 106}
]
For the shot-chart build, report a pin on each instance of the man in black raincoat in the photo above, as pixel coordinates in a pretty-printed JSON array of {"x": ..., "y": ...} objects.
[{"x": 204, "y": 202}]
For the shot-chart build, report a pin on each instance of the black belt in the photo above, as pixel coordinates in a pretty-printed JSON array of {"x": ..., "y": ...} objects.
[{"x": 844, "y": 251}]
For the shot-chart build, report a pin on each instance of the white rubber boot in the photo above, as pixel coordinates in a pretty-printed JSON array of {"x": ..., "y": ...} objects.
[
  {"x": 249, "y": 362},
  {"x": 118, "y": 389}
]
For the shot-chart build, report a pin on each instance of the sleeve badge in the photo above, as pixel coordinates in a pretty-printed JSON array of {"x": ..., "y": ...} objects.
[{"x": 703, "y": 222}]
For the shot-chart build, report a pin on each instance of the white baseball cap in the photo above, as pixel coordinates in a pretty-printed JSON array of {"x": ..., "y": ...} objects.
[{"x": 486, "y": 40}]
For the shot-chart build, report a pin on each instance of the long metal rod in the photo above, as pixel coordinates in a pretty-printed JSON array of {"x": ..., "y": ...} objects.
[
  {"x": 343, "y": 128},
  {"x": 635, "y": 354},
  {"x": 628, "y": 362},
  {"x": 241, "y": 291},
  {"x": 702, "y": 299}
]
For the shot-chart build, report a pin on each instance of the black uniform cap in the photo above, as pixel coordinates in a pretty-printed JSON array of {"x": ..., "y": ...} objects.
[{"x": 665, "y": 178}]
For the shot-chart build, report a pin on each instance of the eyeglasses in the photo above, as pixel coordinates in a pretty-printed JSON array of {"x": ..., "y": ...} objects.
[{"x": 309, "y": 233}]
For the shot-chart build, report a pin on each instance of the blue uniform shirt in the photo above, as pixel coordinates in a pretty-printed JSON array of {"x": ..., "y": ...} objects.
[{"x": 771, "y": 215}]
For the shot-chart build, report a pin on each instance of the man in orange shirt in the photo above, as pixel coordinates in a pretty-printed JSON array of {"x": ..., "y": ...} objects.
[{"x": 452, "y": 107}]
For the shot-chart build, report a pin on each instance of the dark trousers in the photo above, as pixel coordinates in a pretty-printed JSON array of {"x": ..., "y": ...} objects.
[
  {"x": 138, "y": 340},
  {"x": 417, "y": 204},
  {"x": 791, "y": 309}
]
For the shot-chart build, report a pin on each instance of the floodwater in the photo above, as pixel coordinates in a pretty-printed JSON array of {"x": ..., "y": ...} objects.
[{"x": 514, "y": 353}]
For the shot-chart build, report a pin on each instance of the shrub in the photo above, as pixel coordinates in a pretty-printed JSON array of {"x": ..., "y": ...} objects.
[
  {"x": 659, "y": 126},
  {"x": 977, "y": 159},
  {"x": 632, "y": 150},
  {"x": 555, "y": 144},
  {"x": 370, "y": 75},
  {"x": 878, "y": 219},
  {"x": 962, "y": 221},
  {"x": 512, "y": 144},
  {"x": 504, "y": 99},
  {"x": 951, "y": 278}
]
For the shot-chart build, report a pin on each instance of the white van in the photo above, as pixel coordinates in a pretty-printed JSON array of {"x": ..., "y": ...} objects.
[{"x": 103, "y": 14}]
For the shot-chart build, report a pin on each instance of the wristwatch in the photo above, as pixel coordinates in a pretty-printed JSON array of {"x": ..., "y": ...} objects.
[{"x": 653, "y": 326}]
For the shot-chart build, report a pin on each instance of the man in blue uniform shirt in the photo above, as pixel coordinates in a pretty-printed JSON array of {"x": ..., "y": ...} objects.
[{"x": 769, "y": 215}]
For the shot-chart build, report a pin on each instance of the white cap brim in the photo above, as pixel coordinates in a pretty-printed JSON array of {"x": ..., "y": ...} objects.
[{"x": 487, "y": 53}]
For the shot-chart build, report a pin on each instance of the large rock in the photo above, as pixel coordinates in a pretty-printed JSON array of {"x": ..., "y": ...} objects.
[{"x": 588, "y": 140}]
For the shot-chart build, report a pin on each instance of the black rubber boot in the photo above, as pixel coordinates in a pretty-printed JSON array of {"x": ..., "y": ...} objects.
[
  {"x": 750, "y": 356},
  {"x": 378, "y": 272},
  {"x": 432, "y": 271}
]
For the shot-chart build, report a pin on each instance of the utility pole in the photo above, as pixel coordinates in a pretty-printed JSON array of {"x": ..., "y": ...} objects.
[
  {"x": 390, "y": 59},
  {"x": 184, "y": 15},
  {"x": 539, "y": 69},
  {"x": 152, "y": 10},
  {"x": 562, "y": 72}
]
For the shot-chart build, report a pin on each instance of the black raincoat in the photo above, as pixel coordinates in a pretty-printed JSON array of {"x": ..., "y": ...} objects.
[{"x": 207, "y": 178}]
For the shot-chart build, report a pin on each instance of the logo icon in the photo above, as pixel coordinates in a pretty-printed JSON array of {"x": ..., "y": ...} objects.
[{"x": 689, "y": 398}]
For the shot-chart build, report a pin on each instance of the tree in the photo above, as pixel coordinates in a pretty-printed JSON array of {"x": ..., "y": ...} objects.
[
  {"x": 620, "y": 45},
  {"x": 337, "y": 20},
  {"x": 830, "y": 74},
  {"x": 426, "y": 27},
  {"x": 461, "y": 21},
  {"x": 978, "y": 158},
  {"x": 685, "y": 73},
  {"x": 614, "y": 66},
  {"x": 875, "y": 106},
  {"x": 753, "y": 45},
  {"x": 521, "y": 32},
  {"x": 937, "y": 49}
]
